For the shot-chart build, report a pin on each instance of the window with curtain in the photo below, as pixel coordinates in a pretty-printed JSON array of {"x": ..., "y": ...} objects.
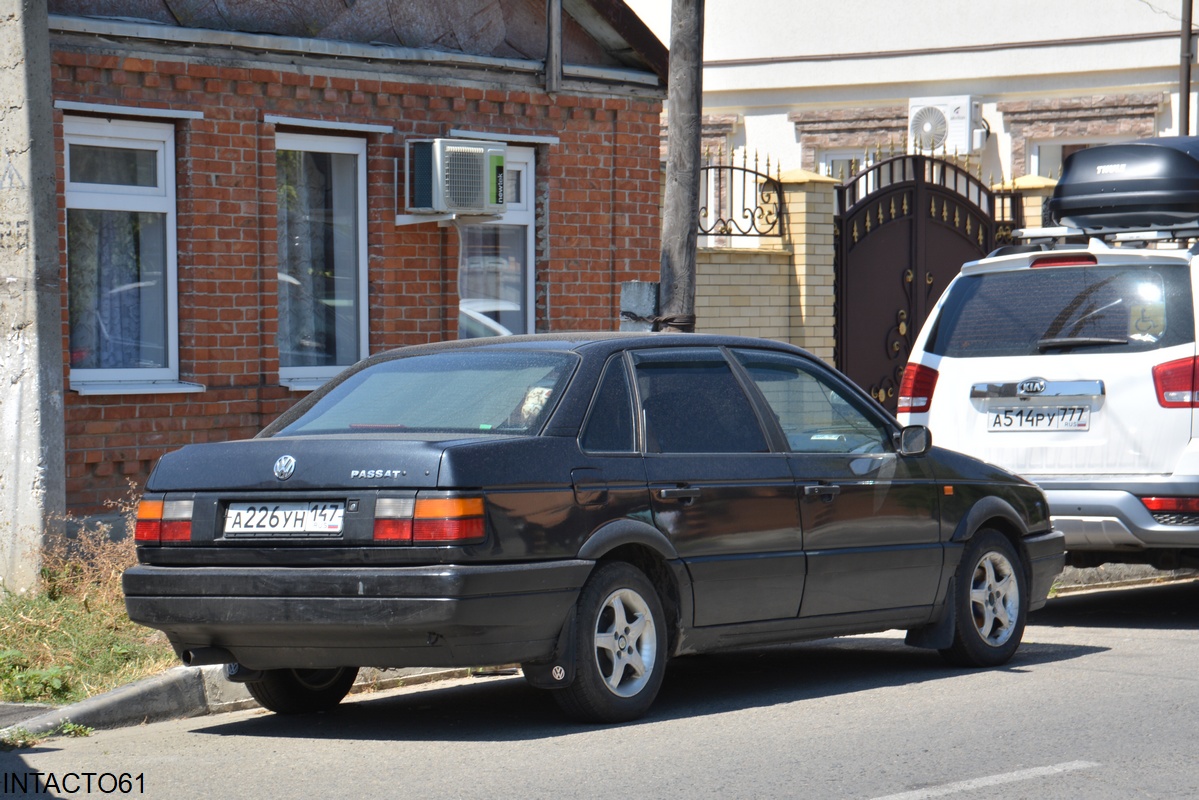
[
  {"x": 322, "y": 254},
  {"x": 121, "y": 292}
]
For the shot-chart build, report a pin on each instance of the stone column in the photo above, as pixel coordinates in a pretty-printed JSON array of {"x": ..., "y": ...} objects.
[{"x": 32, "y": 476}]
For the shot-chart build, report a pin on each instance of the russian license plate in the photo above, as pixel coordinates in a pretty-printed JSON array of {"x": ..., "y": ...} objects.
[
  {"x": 1039, "y": 418},
  {"x": 317, "y": 516}
]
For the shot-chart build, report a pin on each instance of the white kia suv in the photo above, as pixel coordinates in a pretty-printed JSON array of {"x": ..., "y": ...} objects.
[{"x": 1071, "y": 359}]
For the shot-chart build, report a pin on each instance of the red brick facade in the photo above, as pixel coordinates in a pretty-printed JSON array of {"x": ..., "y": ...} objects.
[{"x": 597, "y": 225}]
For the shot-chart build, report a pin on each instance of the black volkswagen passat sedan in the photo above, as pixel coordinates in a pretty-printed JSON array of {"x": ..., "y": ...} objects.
[{"x": 587, "y": 506}]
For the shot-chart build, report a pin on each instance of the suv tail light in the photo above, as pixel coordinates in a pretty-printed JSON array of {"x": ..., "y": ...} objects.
[
  {"x": 916, "y": 389},
  {"x": 161, "y": 521},
  {"x": 1175, "y": 505},
  {"x": 436, "y": 519},
  {"x": 1175, "y": 383}
]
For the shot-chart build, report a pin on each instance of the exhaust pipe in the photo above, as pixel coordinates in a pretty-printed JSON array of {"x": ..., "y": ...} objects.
[{"x": 203, "y": 656}]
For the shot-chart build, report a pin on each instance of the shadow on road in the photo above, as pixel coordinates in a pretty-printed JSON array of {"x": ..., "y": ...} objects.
[
  {"x": 1167, "y": 606},
  {"x": 508, "y": 709}
]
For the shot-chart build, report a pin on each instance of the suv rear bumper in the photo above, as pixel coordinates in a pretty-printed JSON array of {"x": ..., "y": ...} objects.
[
  {"x": 1100, "y": 516},
  {"x": 435, "y": 616}
]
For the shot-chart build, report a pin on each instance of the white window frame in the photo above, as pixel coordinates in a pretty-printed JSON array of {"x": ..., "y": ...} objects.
[
  {"x": 308, "y": 378},
  {"x": 159, "y": 138}
]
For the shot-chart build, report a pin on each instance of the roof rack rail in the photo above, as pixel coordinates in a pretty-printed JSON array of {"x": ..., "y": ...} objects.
[{"x": 1047, "y": 234}]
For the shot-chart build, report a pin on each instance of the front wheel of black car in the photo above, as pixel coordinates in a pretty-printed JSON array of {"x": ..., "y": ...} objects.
[
  {"x": 620, "y": 647},
  {"x": 302, "y": 691},
  {"x": 991, "y": 602}
]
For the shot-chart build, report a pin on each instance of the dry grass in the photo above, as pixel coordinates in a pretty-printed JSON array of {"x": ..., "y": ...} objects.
[{"x": 72, "y": 638}]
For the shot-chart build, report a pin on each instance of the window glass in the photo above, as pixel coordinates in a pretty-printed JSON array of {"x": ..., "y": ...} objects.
[
  {"x": 320, "y": 253},
  {"x": 116, "y": 262},
  {"x": 609, "y": 426},
  {"x": 495, "y": 268},
  {"x": 815, "y": 415},
  {"x": 692, "y": 403},
  {"x": 1059, "y": 309},
  {"x": 115, "y": 166},
  {"x": 121, "y": 292},
  {"x": 478, "y": 393}
]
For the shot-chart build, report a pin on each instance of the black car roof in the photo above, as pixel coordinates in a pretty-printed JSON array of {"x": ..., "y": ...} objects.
[{"x": 576, "y": 341}]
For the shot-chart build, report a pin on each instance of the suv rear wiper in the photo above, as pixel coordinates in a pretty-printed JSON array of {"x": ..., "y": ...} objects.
[{"x": 1078, "y": 341}]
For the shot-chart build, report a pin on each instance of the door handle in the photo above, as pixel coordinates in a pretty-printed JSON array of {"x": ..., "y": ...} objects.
[
  {"x": 679, "y": 493},
  {"x": 824, "y": 491}
]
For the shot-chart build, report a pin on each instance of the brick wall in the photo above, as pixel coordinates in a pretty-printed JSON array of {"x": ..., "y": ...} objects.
[{"x": 598, "y": 225}]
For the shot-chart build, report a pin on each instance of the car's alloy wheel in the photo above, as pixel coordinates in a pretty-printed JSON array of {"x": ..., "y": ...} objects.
[
  {"x": 991, "y": 603},
  {"x": 302, "y": 691},
  {"x": 620, "y": 647}
]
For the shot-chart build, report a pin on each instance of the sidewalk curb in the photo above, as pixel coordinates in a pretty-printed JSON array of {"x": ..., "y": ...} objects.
[{"x": 190, "y": 692}]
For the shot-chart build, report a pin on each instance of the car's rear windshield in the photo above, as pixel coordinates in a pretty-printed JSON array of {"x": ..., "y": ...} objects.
[
  {"x": 493, "y": 392},
  {"x": 1053, "y": 310}
]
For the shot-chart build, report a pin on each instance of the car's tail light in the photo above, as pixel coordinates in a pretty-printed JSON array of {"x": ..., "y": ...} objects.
[
  {"x": 916, "y": 389},
  {"x": 448, "y": 520},
  {"x": 1175, "y": 383},
  {"x": 1072, "y": 260},
  {"x": 1172, "y": 505},
  {"x": 393, "y": 519},
  {"x": 161, "y": 521},
  {"x": 436, "y": 519}
]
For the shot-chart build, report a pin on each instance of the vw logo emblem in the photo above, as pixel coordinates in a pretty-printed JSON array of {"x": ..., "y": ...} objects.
[
  {"x": 284, "y": 467},
  {"x": 1031, "y": 386},
  {"x": 559, "y": 673}
]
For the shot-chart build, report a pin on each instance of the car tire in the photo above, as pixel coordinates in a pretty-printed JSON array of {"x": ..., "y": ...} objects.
[
  {"x": 302, "y": 691},
  {"x": 991, "y": 602},
  {"x": 620, "y": 647}
]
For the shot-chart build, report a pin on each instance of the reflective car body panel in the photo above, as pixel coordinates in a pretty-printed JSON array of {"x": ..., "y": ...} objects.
[{"x": 761, "y": 493}]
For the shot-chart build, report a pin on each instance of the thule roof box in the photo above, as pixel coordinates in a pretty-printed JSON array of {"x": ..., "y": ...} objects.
[{"x": 1148, "y": 185}]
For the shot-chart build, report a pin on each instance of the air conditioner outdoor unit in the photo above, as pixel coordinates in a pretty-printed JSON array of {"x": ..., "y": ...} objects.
[
  {"x": 944, "y": 124},
  {"x": 455, "y": 176}
]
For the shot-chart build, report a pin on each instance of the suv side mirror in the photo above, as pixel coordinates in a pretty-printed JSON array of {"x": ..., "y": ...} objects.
[{"x": 914, "y": 440}]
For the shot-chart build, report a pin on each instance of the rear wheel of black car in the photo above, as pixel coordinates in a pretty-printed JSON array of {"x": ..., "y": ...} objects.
[
  {"x": 302, "y": 691},
  {"x": 991, "y": 602},
  {"x": 620, "y": 647}
]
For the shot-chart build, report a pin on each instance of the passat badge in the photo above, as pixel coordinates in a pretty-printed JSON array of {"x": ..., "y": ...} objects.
[
  {"x": 1031, "y": 386},
  {"x": 284, "y": 467}
]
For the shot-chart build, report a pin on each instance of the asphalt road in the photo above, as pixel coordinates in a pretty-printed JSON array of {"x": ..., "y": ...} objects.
[{"x": 1102, "y": 701}]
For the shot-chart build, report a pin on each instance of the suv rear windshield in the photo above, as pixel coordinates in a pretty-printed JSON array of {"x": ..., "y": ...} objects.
[
  {"x": 1094, "y": 309},
  {"x": 454, "y": 392}
]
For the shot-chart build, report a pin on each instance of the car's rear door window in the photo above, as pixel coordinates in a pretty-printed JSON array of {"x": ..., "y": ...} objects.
[
  {"x": 609, "y": 425},
  {"x": 692, "y": 403},
  {"x": 1097, "y": 309}
]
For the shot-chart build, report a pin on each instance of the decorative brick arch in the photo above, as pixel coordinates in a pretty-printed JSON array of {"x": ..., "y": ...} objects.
[
  {"x": 1099, "y": 117},
  {"x": 845, "y": 128}
]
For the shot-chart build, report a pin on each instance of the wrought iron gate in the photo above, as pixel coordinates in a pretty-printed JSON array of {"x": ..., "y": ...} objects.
[{"x": 904, "y": 228}]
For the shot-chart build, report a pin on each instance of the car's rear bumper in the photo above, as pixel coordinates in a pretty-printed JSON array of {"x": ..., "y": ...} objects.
[
  {"x": 269, "y": 617},
  {"x": 1108, "y": 515}
]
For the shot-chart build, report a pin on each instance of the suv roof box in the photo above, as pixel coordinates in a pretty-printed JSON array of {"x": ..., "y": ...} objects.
[{"x": 1152, "y": 184}]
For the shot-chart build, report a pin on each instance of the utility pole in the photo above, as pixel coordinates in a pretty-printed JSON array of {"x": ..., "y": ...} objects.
[
  {"x": 32, "y": 473},
  {"x": 680, "y": 217},
  {"x": 1184, "y": 73}
]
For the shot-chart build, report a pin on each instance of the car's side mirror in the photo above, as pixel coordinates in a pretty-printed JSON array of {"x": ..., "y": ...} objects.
[{"x": 914, "y": 440}]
